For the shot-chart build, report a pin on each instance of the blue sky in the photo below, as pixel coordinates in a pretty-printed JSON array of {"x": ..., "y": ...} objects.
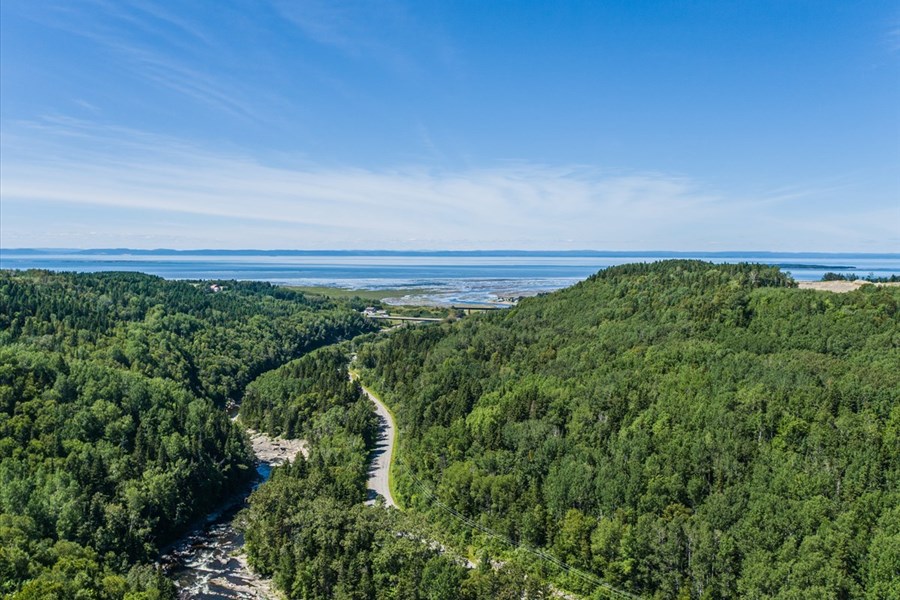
[{"x": 536, "y": 125}]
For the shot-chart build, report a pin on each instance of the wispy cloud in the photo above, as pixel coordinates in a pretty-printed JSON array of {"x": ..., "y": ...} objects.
[
  {"x": 375, "y": 31},
  {"x": 240, "y": 68},
  {"x": 335, "y": 24},
  {"x": 519, "y": 204},
  {"x": 164, "y": 49}
]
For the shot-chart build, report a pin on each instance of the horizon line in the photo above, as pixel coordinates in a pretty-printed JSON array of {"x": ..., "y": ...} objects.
[{"x": 446, "y": 252}]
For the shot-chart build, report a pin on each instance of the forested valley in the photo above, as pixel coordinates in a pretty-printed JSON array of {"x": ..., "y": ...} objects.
[
  {"x": 676, "y": 429},
  {"x": 669, "y": 430},
  {"x": 308, "y": 528},
  {"x": 113, "y": 430}
]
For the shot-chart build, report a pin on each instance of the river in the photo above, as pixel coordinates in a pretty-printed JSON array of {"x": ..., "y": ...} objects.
[{"x": 208, "y": 564}]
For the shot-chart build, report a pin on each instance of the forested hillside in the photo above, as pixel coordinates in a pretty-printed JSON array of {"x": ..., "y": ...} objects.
[
  {"x": 307, "y": 527},
  {"x": 288, "y": 401},
  {"x": 113, "y": 435},
  {"x": 678, "y": 429}
]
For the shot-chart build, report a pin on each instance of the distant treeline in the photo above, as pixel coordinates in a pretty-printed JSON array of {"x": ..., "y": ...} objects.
[
  {"x": 677, "y": 429},
  {"x": 854, "y": 277},
  {"x": 113, "y": 436}
]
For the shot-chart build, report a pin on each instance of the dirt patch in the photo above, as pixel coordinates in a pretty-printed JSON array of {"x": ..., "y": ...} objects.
[{"x": 831, "y": 286}]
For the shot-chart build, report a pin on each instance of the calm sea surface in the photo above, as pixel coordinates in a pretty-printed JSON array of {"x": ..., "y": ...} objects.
[{"x": 444, "y": 276}]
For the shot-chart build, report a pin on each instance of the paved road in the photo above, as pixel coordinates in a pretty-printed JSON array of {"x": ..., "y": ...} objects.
[
  {"x": 378, "y": 482},
  {"x": 381, "y": 455}
]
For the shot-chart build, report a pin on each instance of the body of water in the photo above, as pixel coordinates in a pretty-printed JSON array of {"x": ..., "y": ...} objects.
[
  {"x": 472, "y": 277},
  {"x": 204, "y": 566}
]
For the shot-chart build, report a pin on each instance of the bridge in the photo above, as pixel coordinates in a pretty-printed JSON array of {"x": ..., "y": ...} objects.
[
  {"x": 469, "y": 309},
  {"x": 465, "y": 309}
]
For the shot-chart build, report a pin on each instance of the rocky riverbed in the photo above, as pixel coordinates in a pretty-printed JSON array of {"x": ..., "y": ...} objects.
[{"x": 208, "y": 563}]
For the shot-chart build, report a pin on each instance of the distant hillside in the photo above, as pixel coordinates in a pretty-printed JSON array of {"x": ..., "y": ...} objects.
[{"x": 678, "y": 429}]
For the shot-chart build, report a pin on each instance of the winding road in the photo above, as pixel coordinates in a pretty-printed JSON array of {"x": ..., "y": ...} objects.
[{"x": 379, "y": 468}]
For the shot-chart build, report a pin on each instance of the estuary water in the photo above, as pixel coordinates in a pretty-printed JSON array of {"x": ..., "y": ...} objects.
[{"x": 443, "y": 277}]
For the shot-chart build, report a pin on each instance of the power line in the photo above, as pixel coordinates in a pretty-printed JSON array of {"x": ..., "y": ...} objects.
[
  {"x": 611, "y": 591},
  {"x": 586, "y": 577}
]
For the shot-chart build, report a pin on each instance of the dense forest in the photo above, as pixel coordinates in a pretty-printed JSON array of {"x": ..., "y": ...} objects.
[
  {"x": 672, "y": 430},
  {"x": 677, "y": 429},
  {"x": 307, "y": 527},
  {"x": 295, "y": 399},
  {"x": 113, "y": 433}
]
